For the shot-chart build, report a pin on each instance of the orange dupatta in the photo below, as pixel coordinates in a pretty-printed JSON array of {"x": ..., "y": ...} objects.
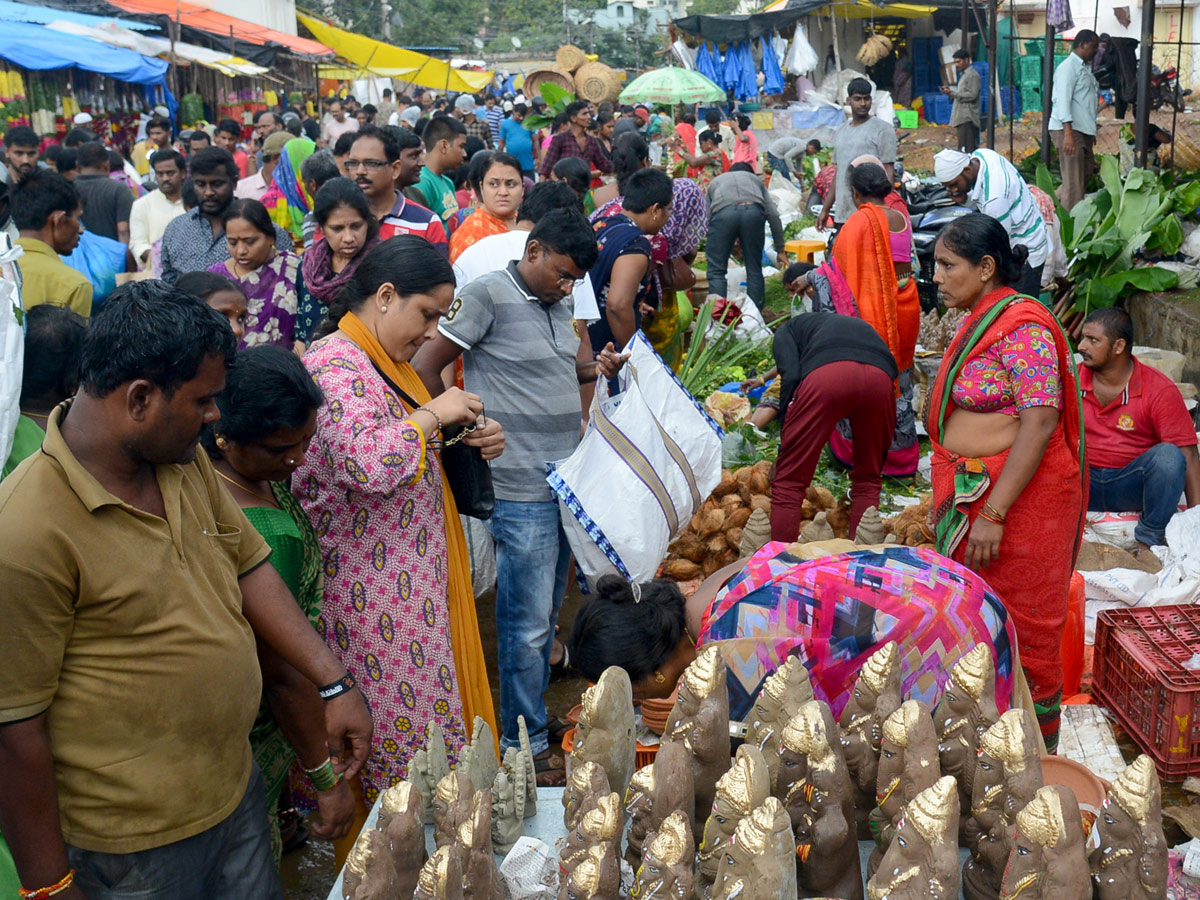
[
  {"x": 863, "y": 253},
  {"x": 464, "y": 624}
]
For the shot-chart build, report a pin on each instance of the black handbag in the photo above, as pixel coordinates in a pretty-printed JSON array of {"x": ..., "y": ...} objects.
[{"x": 467, "y": 472}]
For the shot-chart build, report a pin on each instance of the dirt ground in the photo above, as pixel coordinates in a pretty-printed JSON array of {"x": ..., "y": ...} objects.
[{"x": 917, "y": 148}]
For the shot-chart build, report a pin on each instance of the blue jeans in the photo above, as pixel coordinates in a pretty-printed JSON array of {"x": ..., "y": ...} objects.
[
  {"x": 780, "y": 165},
  {"x": 747, "y": 221},
  {"x": 230, "y": 861},
  {"x": 532, "y": 563},
  {"x": 1151, "y": 485}
]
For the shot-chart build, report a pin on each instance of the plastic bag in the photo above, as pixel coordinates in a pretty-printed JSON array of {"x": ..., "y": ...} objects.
[
  {"x": 802, "y": 57},
  {"x": 648, "y": 459},
  {"x": 482, "y": 550},
  {"x": 12, "y": 344}
]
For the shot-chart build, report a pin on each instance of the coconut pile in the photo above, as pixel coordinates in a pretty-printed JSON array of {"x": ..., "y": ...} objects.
[{"x": 734, "y": 522}]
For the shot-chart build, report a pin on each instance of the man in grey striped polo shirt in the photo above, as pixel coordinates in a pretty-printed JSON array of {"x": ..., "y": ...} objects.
[
  {"x": 991, "y": 184},
  {"x": 525, "y": 356}
]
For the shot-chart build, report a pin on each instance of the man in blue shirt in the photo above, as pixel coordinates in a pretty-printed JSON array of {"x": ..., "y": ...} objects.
[
  {"x": 517, "y": 140},
  {"x": 1073, "y": 109}
]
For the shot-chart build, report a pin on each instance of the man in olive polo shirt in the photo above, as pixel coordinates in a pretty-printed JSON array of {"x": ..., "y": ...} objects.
[{"x": 133, "y": 593}]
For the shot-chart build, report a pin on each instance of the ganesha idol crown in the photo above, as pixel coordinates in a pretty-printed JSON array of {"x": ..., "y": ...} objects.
[
  {"x": 879, "y": 667},
  {"x": 671, "y": 841},
  {"x": 1134, "y": 789},
  {"x": 1042, "y": 818},
  {"x": 738, "y": 784},
  {"x": 703, "y": 675},
  {"x": 603, "y": 821},
  {"x": 933, "y": 811},
  {"x": 1007, "y": 742},
  {"x": 970, "y": 673},
  {"x": 398, "y": 799}
]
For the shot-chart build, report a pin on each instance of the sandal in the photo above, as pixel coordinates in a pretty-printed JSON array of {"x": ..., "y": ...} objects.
[
  {"x": 556, "y": 729},
  {"x": 562, "y": 668},
  {"x": 550, "y": 769}
]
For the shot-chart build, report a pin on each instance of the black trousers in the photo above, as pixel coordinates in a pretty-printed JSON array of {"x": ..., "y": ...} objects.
[{"x": 968, "y": 137}]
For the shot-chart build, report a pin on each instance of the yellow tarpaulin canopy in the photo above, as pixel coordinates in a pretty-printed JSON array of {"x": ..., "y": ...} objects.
[
  {"x": 350, "y": 73},
  {"x": 379, "y": 58},
  {"x": 864, "y": 9}
]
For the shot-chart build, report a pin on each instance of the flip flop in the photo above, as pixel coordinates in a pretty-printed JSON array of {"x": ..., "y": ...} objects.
[
  {"x": 562, "y": 668},
  {"x": 557, "y": 729},
  {"x": 550, "y": 769}
]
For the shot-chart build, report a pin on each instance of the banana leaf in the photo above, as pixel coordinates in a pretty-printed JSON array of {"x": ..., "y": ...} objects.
[{"x": 1102, "y": 292}]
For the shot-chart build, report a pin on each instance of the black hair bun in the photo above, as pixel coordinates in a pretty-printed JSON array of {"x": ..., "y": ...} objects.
[{"x": 614, "y": 589}]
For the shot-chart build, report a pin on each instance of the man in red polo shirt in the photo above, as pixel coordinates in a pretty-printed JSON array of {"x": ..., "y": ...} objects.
[{"x": 1141, "y": 443}]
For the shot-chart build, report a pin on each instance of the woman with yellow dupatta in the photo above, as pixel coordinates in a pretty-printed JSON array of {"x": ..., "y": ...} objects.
[
  {"x": 1009, "y": 476},
  {"x": 398, "y": 606},
  {"x": 870, "y": 276}
]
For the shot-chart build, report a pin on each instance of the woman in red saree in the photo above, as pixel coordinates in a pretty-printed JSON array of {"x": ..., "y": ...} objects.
[
  {"x": 1009, "y": 474},
  {"x": 870, "y": 276}
]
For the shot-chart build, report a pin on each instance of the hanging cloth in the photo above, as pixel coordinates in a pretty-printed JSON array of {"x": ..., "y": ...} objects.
[
  {"x": 729, "y": 69},
  {"x": 706, "y": 65},
  {"x": 773, "y": 75}
]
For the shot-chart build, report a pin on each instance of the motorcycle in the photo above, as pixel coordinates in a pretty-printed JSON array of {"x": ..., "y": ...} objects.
[
  {"x": 930, "y": 209},
  {"x": 1165, "y": 90}
]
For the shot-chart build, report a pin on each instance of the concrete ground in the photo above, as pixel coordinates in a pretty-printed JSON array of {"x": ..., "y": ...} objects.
[{"x": 309, "y": 872}]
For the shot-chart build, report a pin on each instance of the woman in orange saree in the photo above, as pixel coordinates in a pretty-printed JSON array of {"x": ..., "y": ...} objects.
[
  {"x": 1009, "y": 472},
  {"x": 870, "y": 276}
]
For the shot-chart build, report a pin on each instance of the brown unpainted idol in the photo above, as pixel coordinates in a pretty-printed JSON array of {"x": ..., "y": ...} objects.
[
  {"x": 402, "y": 820},
  {"x": 967, "y": 709},
  {"x": 760, "y": 862},
  {"x": 597, "y": 876},
  {"x": 700, "y": 721},
  {"x": 605, "y": 733},
  {"x": 783, "y": 693},
  {"x": 820, "y": 802},
  {"x": 655, "y": 792},
  {"x": 478, "y": 758},
  {"x": 600, "y": 824},
  {"x": 473, "y": 844},
  {"x": 666, "y": 870},
  {"x": 530, "y": 768},
  {"x": 1130, "y": 861},
  {"x": 451, "y": 806},
  {"x": 428, "y": 766},
  {"x": 908, "y": 764},
  {"x": 508, "y": 802},
  {"x": 586, "y": 784},
  {"x": 740, "y": 791},
  {"x": 875, "y": 696},
  {"x": 370, "y": 873},
  {"x": 441, "y": 877},
  {"x": 1048, "y": 860},
  {"x": 1008, "y": 773},
  {"x": 922, "y": 861}
]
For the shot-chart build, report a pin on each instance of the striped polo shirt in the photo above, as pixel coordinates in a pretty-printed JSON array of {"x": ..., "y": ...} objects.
[
  {"x": 407, "y": 217},
  {"x": 519, "y": 356},
  {"x": 1002, "y": 193}
]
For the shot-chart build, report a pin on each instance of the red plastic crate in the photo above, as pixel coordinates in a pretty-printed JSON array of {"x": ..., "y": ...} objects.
[{"x": 1139, "y": 676}]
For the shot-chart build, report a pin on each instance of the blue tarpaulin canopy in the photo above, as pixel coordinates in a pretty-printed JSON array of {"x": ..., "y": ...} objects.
[
  {"x": 44, "y": 15},
  {"x": 35, "y": 47}
]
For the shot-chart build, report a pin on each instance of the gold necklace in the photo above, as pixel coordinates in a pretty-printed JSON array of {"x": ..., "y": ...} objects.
[{"x": 238, "y": 484}]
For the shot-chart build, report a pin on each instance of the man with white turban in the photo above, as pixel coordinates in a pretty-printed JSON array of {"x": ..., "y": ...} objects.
[{"x": 986, "y": 181}]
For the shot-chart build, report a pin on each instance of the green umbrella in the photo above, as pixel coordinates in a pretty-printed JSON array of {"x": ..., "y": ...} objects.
[{"x": 672, "y": 85}]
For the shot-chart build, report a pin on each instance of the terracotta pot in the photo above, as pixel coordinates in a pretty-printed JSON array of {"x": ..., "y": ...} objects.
[
  {"x": 655, "y": 712},
  {"x": 1088, "y": 787}
]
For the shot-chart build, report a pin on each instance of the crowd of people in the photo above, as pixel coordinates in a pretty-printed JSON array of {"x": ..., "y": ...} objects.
[{"x": 236, "y": 574}]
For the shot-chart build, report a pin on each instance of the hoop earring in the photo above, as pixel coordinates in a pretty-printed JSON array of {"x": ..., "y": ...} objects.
[{"x": 221, "y": 442}]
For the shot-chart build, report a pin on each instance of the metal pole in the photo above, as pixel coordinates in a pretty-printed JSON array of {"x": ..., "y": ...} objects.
[
  {"x": 1141, "y": 128},
  {"x": 993, "y": 57},
  {"x": 966, "y": 24},
  {"x": 1176, "y": 97},
  {"x": 173, "y": 28},
  {"x": 1047, "y": 91},
  {"x": 1012, "y": 66}
]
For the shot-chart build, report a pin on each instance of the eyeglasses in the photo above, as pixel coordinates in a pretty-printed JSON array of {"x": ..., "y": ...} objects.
[
  {"x": 564, "y": 279},
  {"x": 371, "y": 165}
]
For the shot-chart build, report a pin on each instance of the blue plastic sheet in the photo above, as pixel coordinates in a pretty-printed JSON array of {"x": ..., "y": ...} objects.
[
  {"x": 708, "y": 63},
  {"x": 99, "y": 260},
  {"x": 44, "y": 15},
  {"x": 36, "y": 47},
  {"x": 740, "y": 75},
  {"x": 729, "y": 69},
  {"x": 772, "y": 73}
]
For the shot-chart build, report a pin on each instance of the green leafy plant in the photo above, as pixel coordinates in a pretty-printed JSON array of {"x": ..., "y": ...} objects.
[
  {"x": 1108, "y": 232},
  {"x": 713, "y": 361},
  {"x": 557, "y": 100}
]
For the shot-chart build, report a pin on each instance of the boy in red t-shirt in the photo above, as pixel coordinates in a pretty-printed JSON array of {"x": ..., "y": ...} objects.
[{"x": 1140, "y": 439}]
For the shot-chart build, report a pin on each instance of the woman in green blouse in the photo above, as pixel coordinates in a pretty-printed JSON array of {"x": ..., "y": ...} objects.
[{"x": 268, "y": 416}]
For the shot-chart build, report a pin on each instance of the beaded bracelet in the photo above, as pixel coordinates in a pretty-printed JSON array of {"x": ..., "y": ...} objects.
[
  {"x": 323, "y": 778},
  {"x": 436, "y": 417},
  {"x": 57, "y": 888}
]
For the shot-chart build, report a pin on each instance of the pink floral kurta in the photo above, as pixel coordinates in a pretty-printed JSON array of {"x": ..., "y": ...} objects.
[{"x": 374, "y": 496}]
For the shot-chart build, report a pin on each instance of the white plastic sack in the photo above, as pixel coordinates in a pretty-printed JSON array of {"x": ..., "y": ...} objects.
[
  {"x": 882, "y": 108},
  {"x": 482, "y": 550},
  {"x": 12, "y": 344},
  {"x": 649, "y": 457},
  {"x": 751, "y": 326}
]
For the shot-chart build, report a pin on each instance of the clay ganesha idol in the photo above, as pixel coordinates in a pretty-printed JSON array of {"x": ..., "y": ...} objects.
[
  {"x": 876, "y": 695},
  {"x": 820, "y": 804},
  {"x": 666, "y": 869},
  {"x": 605, "y": 733},
  {"x": 655, "y": 792},
  {"x": 586, "y": 784},
  {"x": 1048, "y": 860},
  {"x": 1130, "y": 861},
  {"x": 921, "y": 863},
  {"x": 783, "y": 693},
  {"x": 402, "y": 820},
  {"x": 908, "y": 764},
  {"x": 700, "y": 721},
  {"x": 740, "y": 791},
  {"x": 760, "y": 862},
  {"x": 967, "y": 709}
]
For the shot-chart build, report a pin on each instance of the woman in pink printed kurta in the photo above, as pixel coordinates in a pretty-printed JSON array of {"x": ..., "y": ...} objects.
[{"x": 374, "y": 496}]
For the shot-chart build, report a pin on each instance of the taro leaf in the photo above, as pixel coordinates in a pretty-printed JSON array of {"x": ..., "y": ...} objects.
[
  {"x": 1105, "y": 247},
  {"x": 1186, "y": 198},
  {"x": 535, "y": 123},
  {"x": 1107, "y": 290},
  {"x": 1138, "y": 178},
  {"x": 1137, "y": 208},
  {"x": 1167, "y": 237},
  {"x": 1110, "y": 174},
  {"x": 553, "y": 94}
]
